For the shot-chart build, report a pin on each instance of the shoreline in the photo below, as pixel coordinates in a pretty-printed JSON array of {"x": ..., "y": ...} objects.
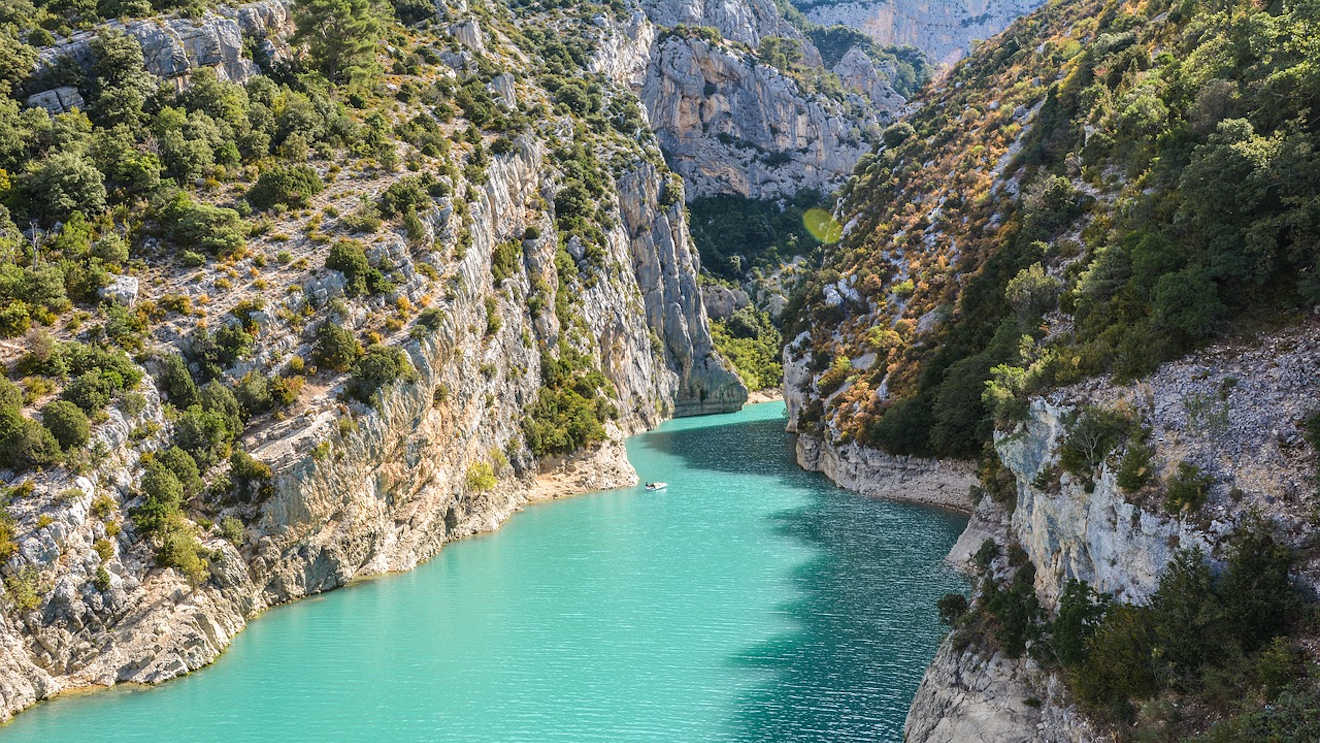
[
  {"x": 567, "y": 477},
  {"x": 938, "y": 483}
]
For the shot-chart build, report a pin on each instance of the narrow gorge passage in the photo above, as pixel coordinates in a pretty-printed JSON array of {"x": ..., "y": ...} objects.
[{"x": 750, "y": 601}]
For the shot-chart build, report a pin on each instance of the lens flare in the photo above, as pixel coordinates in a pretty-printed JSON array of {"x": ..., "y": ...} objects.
[{"x": 822, "y": 225}]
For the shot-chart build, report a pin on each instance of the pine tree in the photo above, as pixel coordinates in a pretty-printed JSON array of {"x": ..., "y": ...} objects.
[{"x": 341, "y": 37}]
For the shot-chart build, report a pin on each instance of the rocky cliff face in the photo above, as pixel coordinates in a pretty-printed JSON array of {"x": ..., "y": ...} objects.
[
  {"x": 359, "y": 489},
  {"x": 944, "y": 30},
  {"x": 1243, "y": 432},
  {"x": 869, "y": 471},
  {"x": 174, "y": 47},
  {"x": 729, "y": 124}
]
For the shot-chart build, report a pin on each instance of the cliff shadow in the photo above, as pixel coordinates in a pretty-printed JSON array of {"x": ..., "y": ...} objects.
[{"x": 862, "y": 607}]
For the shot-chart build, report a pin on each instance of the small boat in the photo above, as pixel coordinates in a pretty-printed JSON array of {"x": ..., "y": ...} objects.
[{"x": 656, "y": 485}]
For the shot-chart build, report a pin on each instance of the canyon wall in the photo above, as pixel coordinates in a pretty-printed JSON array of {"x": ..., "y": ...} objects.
[{"x": 944, "y": 30}]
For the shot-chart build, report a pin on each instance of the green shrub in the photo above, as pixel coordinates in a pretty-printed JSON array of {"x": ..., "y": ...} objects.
[
  {"x": 504, "y": 260},
  {"x": 24, "y": 589},
  {"x": 493, "y": 321},
  {"x": 834, "y": 377},
  {"x": 571, "y": 407},
  {"x": 15, "y": 319},
  {"x": 232, "y": 530},
  {"x": 24, "y": 442},
  {"x": 176, "y": 381},
  {"x": 204, "y": 434},
  {"x": 1118, "y": 665},
  {"x": 287, "y": 185},
  {"x": 750, "y": 341},
  {"x": 188, "y": 224},
  {"x": 348, "y": 257},
  {"x": 951, "y": 606},
  {"x": 1186, "y": 490},
  {"x": 253, "y": 393},
  {"x": 162, "y": 495},
  {"x": 379, "y": 366},
  {"x": 250, "y": 475},
  {"x": 67, "y": 423},
  {"x": 404, "y": 195},
  {"x": 184, "y": 468},
  {"x": 179, "y": 549},
  {"x": 1259, "y": 600},
  {"x": 90, "y": 391},
  {"x": 1091, "y": 438},
  {"x": 481, "y": 477},
  {"x": 1081, "y": 610},
  {"x": 1135, "y": 469},
  {"x": 335, "y": 347},
  {"x": 1016, "y": 611}
]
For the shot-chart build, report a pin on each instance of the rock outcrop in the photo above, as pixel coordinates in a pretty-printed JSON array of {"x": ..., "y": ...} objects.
[
  {"x": 1235, "y": 411},
  {"x": 174, "y": 47},
  {"x": 729, "y": 124},
  {"x": 944, "y": 30},
  {"x": 871, "y": 472}
]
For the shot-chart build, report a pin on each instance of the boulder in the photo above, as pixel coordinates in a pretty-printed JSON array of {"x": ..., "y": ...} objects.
[{"x": 122, "y": 290}]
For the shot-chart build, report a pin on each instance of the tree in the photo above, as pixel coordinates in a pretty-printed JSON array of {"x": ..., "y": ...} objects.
[
  {"x": 204, "y": 434},
  {"x": 162, "y": 493},
  {"x": 24, "y": 442},
  {"x": 1259, "y": 600},
  {"x": 1118, "y": 663},
  {"x": 184, "y": 467},
  {"x": 177, "y": 381},
  {"x": 122, "y": 83},
  {"x": 63, "y": 182},
  {"x": 1081, "y": 610},
  {"x": 335, "y": 347},
  {"x": 380, "y": 366},
  {"x": 67, "y": 423},
  {"x": 289, "y": 186},
  {"x": 1187, "y": 616},
  {"x": 1032, "y": 293},
  {"x": 16, "y": 60},
  {"x": 951, "y": 607},
  {"x": 1186, "y": 304},
  {"x": 341, "y": 36}
]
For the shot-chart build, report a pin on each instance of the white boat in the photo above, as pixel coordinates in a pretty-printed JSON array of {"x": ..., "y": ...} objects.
[{"x": 656, "y": 485}]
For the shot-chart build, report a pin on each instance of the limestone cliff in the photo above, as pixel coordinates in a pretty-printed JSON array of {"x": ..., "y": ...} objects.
[
  {"x": 1243, "y": 432},
  {"x": 729, "y": 124},
  {"x": 174, "y": 47},
  {"x": 944, "y": 30},
  {"x": 944, "y": 483}
]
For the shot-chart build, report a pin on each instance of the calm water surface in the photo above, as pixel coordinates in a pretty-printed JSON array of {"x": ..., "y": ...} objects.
[{"x": 750, "y": 602}]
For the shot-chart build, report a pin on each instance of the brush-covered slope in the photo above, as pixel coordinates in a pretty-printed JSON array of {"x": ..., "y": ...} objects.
[{"x": 1102, "y": 187}]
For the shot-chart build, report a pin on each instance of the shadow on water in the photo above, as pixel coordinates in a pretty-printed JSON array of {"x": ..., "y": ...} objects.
[{"x": 864, "y": 605}]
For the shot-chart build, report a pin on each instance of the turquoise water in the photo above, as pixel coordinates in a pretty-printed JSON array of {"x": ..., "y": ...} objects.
[{"x": 750, "y": 602}]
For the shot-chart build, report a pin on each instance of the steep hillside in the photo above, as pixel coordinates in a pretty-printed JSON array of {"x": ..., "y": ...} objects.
[
  {"x": 1109, "y": 182},
  {"x": 303, "y": 291},
  {"x": 1028, "y": 260}
]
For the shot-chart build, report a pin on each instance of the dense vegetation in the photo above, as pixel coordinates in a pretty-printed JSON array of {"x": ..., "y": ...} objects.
[
  {"x": 751, "y": 343},
  {"x": 244, "y": 242},
  {"x": 736, "y": 235},
  {"x": 1167, "y": 195},
  {"x": 1218, "y": 656}
]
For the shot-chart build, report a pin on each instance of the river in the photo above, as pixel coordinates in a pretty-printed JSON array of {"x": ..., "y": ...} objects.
[{"x": 751, "y": 601}]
